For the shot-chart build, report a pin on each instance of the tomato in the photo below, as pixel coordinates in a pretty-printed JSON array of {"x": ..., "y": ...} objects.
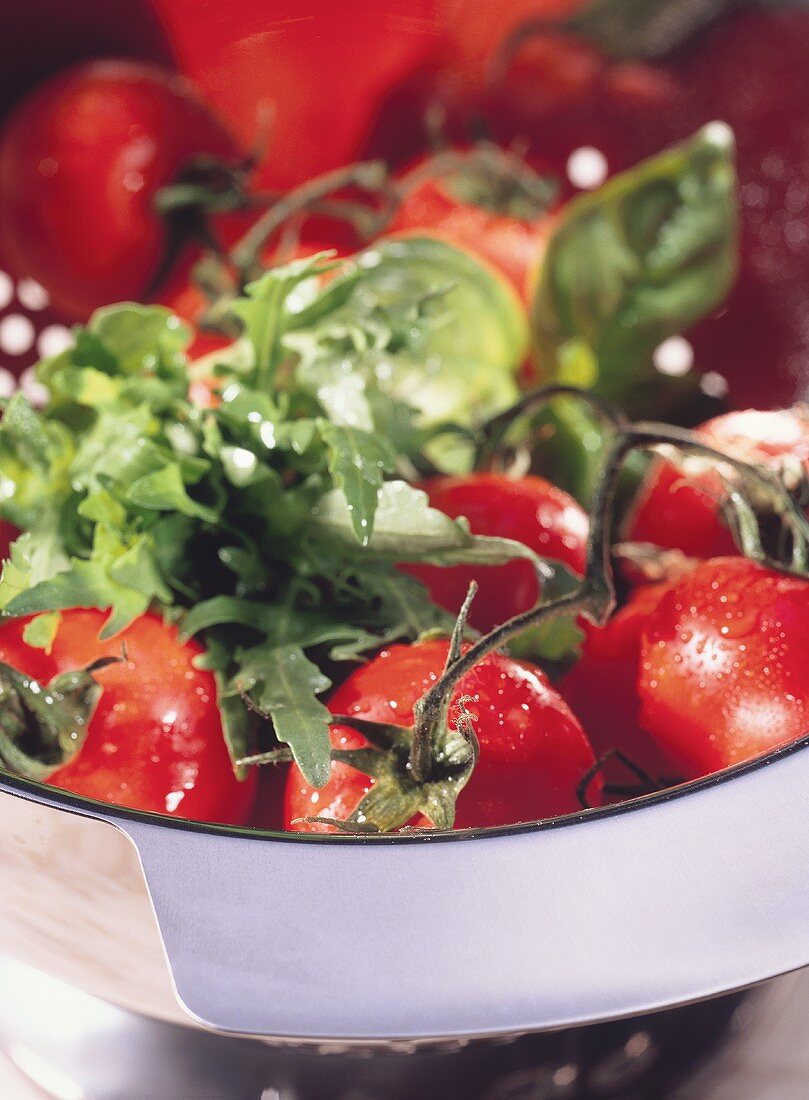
[
  {"x": 529, "y": 510},
  {"x": 320, "y": 67},
  {"x": 155, "y": 740},
  {"x": 533, "y": 752},
  {"x": 8, "y": 533},
  {"x": 724, "y": 665},
  {"x": 81, "y": 159},
  {"x": 680, "y": 506},
  {"x": 468, "y": 209},
  {"x": 602, "y": 690}
]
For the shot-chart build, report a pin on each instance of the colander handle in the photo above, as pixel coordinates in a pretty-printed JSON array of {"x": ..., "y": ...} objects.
[{"x": 670, "y": 900}]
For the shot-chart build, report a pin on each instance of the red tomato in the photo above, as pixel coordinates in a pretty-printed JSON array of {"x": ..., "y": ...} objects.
[
  {"x": 602, "y": 689},
  {"x": 320, "y": 66},
  {"x": 8, "y": 534},
  {"x": 680, "y": 508},
  {"x": 529, "y": 510},
  {"x": 155, "y": 740},
  {"x": 723, "y": 668},
  {"x": 514, "y": 245},
  {"x": 81, "y": 159},
  {"x": 533, "y": 752},
  {"x": 472, "y": 42}
]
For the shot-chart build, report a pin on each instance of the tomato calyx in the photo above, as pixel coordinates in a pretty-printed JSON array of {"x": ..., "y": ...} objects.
[
  {"x": 487, "y": 175},
  {"x": 422, "y": 769},
  {"x": 361, "y": 194},
  {"x": 43, "y": 726},
  {"x": 650, "y": 564},
  {"x": 413, "y": 774}
]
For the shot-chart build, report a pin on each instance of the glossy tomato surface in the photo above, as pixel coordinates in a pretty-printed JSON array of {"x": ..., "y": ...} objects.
[
  {"x": 724, "y": 665},
  {"x": 602, "y": 690},
  {"x": 533, "y": 752},
  {"x": 527, "y": 509},
  {"x": 155, "y": 740},
  {"x": 514, "y": 245},
  {"x": 680, "y": 504},
  {"x": 81, "y": 159}
]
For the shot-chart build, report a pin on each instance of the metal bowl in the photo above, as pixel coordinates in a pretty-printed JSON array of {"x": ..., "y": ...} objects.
[{"x": 341, "y": 944}]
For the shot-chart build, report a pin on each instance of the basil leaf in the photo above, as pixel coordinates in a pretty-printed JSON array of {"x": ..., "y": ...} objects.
[
  {"x": 639, "y": 260},
  {"x": 643, "y": 28},
  {"x": 283, "y": 684},
  {"x": 357, "y": 461}
]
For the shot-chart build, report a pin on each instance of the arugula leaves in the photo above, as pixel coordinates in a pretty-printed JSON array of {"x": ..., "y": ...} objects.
[
  {"x": 43, "y": 726},
  {"x": 270, "y": 526}
]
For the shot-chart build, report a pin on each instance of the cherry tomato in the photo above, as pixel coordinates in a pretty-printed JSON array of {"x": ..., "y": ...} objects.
[
  {"x": 533, "y": 752},
  {"x": 457, "y": 208},
  {"x": 680, "y": 507},
  {"x": 529, "y": 510},
  {"x": 8, "y": 534},
  {"x": 319, "y": 67},
  {"x": 81, "y": 159},
  {"x": 723, "y": 665},
  {"x": 155, "y": 740},
  {"x": 602, "y": 690}
]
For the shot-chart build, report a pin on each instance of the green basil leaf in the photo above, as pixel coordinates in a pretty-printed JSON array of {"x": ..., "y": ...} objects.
[
  {"x": 283, "y": 684},
  {"x": 481, "y": 318},
  {"x": 639, "y": 260}
]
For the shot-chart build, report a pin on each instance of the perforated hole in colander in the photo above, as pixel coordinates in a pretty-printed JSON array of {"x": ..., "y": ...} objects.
[{"x": 29, "y": 331}]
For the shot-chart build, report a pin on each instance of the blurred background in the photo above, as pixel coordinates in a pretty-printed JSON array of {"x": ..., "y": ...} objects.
[{"x": 303, "y": 88}]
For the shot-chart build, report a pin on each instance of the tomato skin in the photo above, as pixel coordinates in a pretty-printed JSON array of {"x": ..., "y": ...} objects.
[
  {"x": 723, "y": 665},
  {"x": 8, "y": 533},
  {"x": 533, "y": 752},
  {"x": 155, "y": 741},
  {"x": 81, "y": 159},
  {"x": 320, "y": 67},
  {"x": 530, "y": 510},
  {"x": 681, "y": 510},
  {"x": 513, "y": 246},
  {"x": 602, "y": 689}
]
